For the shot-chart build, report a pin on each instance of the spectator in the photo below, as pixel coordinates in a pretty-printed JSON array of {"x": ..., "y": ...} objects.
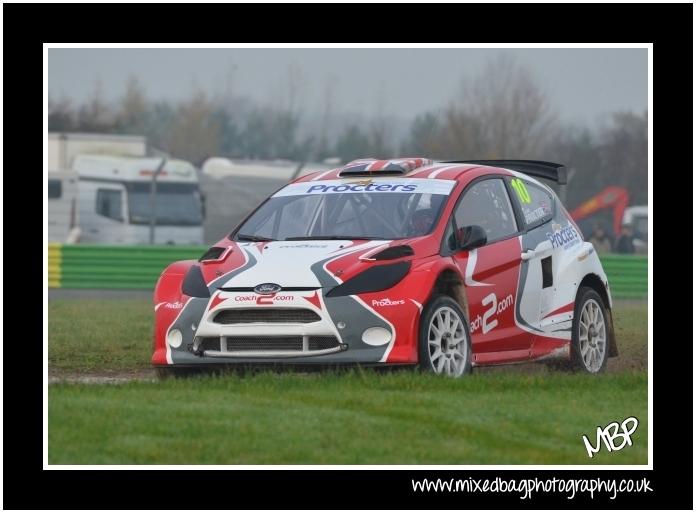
[
  {"x": 625, "y": 243},
  {"x": 600, "y": 240}
]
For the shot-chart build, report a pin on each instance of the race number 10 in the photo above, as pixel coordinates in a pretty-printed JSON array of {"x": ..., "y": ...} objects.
[{"x": 521, "y": 190}]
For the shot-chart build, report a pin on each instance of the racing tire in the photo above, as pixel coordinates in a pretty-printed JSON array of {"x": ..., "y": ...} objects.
[
  {"x": 444, "y": 342},
  {"x": 589, "y": 348}
]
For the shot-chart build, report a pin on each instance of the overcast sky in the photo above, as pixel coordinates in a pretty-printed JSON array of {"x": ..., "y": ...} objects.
[{"x": 582, "y": 84}]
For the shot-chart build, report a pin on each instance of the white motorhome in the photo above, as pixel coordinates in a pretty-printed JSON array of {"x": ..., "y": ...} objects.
[
  {"x": 115, "y": 200},
  {"x": 280, "y": 170},
  {"x": 63, "y": 147},
  {"x": 62, "y": 206}
]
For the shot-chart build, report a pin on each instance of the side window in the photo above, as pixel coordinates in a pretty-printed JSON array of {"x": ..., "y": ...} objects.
[
  {"x": 450, "y": 239},
  {"x": 55, "y": 188},
  {"x": 487, "y": 204},
  {"x": 109, "y": 204},
  {"x": 536, "y": 203}
]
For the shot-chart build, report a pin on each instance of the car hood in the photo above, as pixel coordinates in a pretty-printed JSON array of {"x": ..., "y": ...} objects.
[{"x": 290, "y": 263}]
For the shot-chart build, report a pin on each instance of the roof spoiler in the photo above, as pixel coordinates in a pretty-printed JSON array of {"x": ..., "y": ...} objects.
[{"x": 536, "y": 168}]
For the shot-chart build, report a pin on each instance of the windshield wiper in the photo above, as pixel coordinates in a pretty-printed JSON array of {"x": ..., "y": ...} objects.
[
  {"x": 253, "y": 238},
  {"x": 334, "y": 237}
]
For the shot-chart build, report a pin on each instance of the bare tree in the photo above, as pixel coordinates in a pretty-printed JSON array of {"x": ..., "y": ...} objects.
[
  {"x": 133, "y": 108},
  {"x": 295, "y": 85},
  {"x": 326, "y": 117},
  {"x": 61, "y": 116},
  {"x": 95, "y": 115},
  {"x": 196, "y": 132},
  {"x": 379, "y": 131},
  {"x": 624, "y": 153},
  {"x": 616, "y": 154},
  {"x": 503, "y": 113},
  {"x": 424, "y": 136}
]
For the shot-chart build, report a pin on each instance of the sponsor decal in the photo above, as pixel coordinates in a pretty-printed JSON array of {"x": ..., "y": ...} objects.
[
  {"x": 384, "y": 185},
  {"x": 173, "y": 306},
  {"x": 536, "y": 214},
  {"x": 359, "y": 187},
  {"x": 267, "y": 288},
  {"x": 497, "y": 307},
  {"x": 266, "y": 299},
  {"x": 563, "y": 236},
  {"x": 387, "y": 302}
]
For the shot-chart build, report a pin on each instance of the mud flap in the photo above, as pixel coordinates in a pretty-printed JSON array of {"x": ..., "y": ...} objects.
[{"x": 613, "y": 348}]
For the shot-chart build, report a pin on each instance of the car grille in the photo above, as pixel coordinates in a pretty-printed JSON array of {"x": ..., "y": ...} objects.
[
  {"x": 283, "y": 343},
  {"x": 210, "y": 344},
  {"x": 264, "y": 343},
  {"x": 319, "y": 343},
  {"x": 267, "y": 315}
]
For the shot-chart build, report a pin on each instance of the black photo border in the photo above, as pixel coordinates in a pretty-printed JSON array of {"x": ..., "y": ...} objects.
[{"x": 27, "y": 26}]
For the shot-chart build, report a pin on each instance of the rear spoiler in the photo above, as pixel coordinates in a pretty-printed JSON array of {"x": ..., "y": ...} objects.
[{"x": 536, "y": 168}]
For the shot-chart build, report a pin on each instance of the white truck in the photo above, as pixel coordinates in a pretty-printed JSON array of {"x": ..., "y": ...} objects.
[
  {"x": 62, "y": 206},
  {"x": 115, "y": 200},
  {"x": 99, "y": 190}
]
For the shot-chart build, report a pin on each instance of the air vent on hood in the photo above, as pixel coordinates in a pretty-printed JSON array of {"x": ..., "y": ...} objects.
[
  {"x": 360, "y": 171},
  {"x": 389, "y": 253},
  {"x": 394, "y": 252},
  {"x": 213, "y": 254},
  {"x": 374, "y": 167}
]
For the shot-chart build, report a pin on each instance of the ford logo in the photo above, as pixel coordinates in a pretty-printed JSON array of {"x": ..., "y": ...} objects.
[{"x": 267, "y": 288}]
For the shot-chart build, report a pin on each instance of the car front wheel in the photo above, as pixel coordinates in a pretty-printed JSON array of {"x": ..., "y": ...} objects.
[{"x": 445, "y": 343}]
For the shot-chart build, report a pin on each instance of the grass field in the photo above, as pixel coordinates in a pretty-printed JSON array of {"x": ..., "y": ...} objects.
[
  {"x": 116, "y": 335},
  {"x": 507, "y": 416}
]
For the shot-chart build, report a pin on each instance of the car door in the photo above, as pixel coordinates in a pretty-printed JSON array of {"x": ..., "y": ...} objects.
[
  {"x": 492, "y": 271},
  {"x": 536, "y": 206}
]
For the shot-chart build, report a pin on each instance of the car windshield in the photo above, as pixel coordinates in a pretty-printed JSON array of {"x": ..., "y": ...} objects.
[
  {"x": 367, "y": 209},
  {"x": 178, "y": 204}
]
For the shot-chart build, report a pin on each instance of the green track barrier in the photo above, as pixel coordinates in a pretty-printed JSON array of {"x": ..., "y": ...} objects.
[{"x": 86, "y": 266}]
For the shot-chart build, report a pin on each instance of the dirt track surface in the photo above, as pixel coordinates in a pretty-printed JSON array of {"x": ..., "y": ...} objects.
[
  {"x": 101, "y": 377},
  {"x": 82, "y": 326},
  {"x": 614, "y": 366}
]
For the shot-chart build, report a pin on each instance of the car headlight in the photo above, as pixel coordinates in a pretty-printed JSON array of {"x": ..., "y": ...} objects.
[
  {"x": 194, "y": 284},
  {"x": 374, "y": 279}
]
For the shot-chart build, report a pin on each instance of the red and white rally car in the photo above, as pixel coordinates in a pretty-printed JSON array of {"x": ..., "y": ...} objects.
[{"x": 447, "y": 265}]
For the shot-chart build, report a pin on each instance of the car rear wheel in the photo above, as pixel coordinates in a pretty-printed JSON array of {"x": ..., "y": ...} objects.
[
  {"x": 445, "y": 343},
  {"x": 590, "y": 346}
]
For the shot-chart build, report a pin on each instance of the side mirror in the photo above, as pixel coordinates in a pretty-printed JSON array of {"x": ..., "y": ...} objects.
[{"x": 471, "y": 237}]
